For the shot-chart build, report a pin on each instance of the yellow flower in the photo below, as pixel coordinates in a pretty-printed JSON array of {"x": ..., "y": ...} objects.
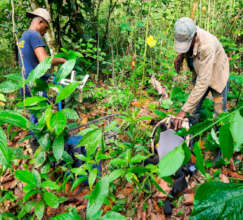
[{"x": 151, "y": 41}]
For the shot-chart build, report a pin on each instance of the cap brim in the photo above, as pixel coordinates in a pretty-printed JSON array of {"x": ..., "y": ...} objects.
[
  {"x": 31, "y": 15},
  {"x": 182, "y": 47}
]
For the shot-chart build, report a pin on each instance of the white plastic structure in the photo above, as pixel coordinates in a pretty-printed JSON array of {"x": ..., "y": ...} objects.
[{"x": 66, "y": 82}]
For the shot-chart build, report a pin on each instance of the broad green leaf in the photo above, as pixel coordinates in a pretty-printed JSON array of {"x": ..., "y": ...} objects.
[
  {"x": 118, "y": 162},
  {"x": 216, "y": 200},
  {"x": 115, "y": 174},
  {"x": 187, "y": 154},
  {"x": 9, "y": 86},
  {"x": 78, "y": 181},
  {"x": 51, "y": 199},
  {"x": 52, "y": 185},
  {"x": 14, "y": 118},
  {"x": 226, "y": 141},
  {"x": 48, "y": 115},
  {"x": 31, "y": 101},
  {"x": 138, "y": 158},
  {"x": 111, "y": 215},
  {"x": 67, "y": 91},
  {"x": 70, "y": 114},
  {"x": 40, "y": 70},
  {"x": 26, "y": 177},
  {"x": 40, "y": 159},
  {"x": 2, "y": 98},
  {"x": 199, "y": 158},
  {"x": 97, "y": 197},
  {"x": 58, "y": 147},
  {"x": 4, "y": 150},
  {"x": 214, "y": 136},
  {"x": 45, "y": 141},
  {"x": 171, "y": 162},
  {"x": 65, "y": 70},
  {"x": 72, "y": 215},
  {"x": 29, "y": 194},
  {"x": 166, "y": 103},
  {"x": 236, "y": 130},
  {"x": 92, "y": 177},
  {"x": 14, "y": 76},
  {"x": 91, "y": 141},
  {"x": 160, "y": 114},
  {"x": 37, "y": 177},
  {"x": 131, "y": 177},
  {"x": 39, "y": 209},
  {"x": 58, "y": 122}
]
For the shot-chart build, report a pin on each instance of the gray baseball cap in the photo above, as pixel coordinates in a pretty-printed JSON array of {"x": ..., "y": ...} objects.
[{"x": 184, "y": 31}]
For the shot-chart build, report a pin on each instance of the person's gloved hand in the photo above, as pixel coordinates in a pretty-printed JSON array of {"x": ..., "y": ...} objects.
[
  {"x": 178, "y": 62},
  {"x": 178, "y": 120}
]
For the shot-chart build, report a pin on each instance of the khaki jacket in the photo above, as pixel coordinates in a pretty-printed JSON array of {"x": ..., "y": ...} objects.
[{"x": 211, "y": 65}]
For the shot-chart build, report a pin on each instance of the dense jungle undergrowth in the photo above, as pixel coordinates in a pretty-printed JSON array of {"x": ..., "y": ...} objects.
[{"x": 121, "y": 45}]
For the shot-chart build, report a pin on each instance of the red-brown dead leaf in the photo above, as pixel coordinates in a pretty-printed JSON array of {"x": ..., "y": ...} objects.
[
  {"x": 224, "y": 178},
  {"x": 189, "y": 198},
  {"x": 165, "y": 186}
]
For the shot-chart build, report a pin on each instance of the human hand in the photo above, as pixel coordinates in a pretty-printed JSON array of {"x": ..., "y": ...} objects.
[
  {"x": 178, "y": 62},
  {"x": 178, "y": 120}
]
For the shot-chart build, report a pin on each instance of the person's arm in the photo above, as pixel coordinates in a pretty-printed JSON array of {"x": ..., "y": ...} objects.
[
  {"x": 206, "y": 62},
  {"x": 41, "y": 54}
]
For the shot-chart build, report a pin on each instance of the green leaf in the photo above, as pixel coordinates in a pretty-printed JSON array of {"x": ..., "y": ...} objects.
[
  {"x": 51, "y": 199},
  {"x": 58, "y": 122},
  {"x": 37, "y": 177},
  {"x": 115, "y": 174},
  {"x": 26, "y": 177},
  {"x": 31, "y": 101},
  {"x": 58, "y": 147},
  {"x": 9, "y": 86},
  {"x": 166, "y": 103},
  {"x": 91, "y": 140},
  {"x": 14, "y": 76},
  {"x": 236, "y": 130},
  {"x": 40, "y": 70},
  {"x": 70, "y": 114},
  {"x": 14, "y": 118},
  {"x": 52, "y": 185},
  {"x": 92, "y": 177},
  {"x": 45, "y": 141},
  {"x": 2, "y": 98},
  {"x": 97, "y": 197},
  {"x": 139, "y": 158},
  {"x": 78, "y": 181},
  {"x": 160, "y": 114},
  {"x": 111, "y": 215},
  {"x": 40, "y": 159},
  {"x": 72, "y": 215},
  {"x": 67, "y": 91},
  {"x": 216, "y": 200},
  {"x": 65, "y": 70},
  {"x": 187, "y": 154},
  {"x": 5, "y": 155},
  {"x": 226, "y": 141},
  {"x": 156, "y": 184},
  {"x": 171, "y": 162},
  {"x": 29, "y": 194},
  {"x": 39, "y": 209},
  {"x": 199, "y": 158}
]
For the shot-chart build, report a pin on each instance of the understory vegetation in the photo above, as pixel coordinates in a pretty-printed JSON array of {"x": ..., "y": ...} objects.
[{"x": 121, "y": 45}]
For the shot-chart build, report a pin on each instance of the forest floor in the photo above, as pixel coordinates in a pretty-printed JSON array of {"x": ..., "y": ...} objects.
[{"x": 133, "y": 208}]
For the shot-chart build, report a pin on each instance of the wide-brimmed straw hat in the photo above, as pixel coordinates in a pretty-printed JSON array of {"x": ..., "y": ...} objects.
[
  {"x": 40, "y": 12},
  {"x": 184, "y": 31}
]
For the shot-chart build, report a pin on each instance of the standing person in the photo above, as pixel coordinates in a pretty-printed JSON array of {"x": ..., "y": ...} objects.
[
  {"x": 208, "y": 61},
  {"x": 32, "y": 46}
]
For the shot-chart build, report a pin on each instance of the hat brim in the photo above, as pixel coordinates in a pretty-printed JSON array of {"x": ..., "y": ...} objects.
[
  {"x": 182, "y": 47},
  {"x": 32, "y": 15}
]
